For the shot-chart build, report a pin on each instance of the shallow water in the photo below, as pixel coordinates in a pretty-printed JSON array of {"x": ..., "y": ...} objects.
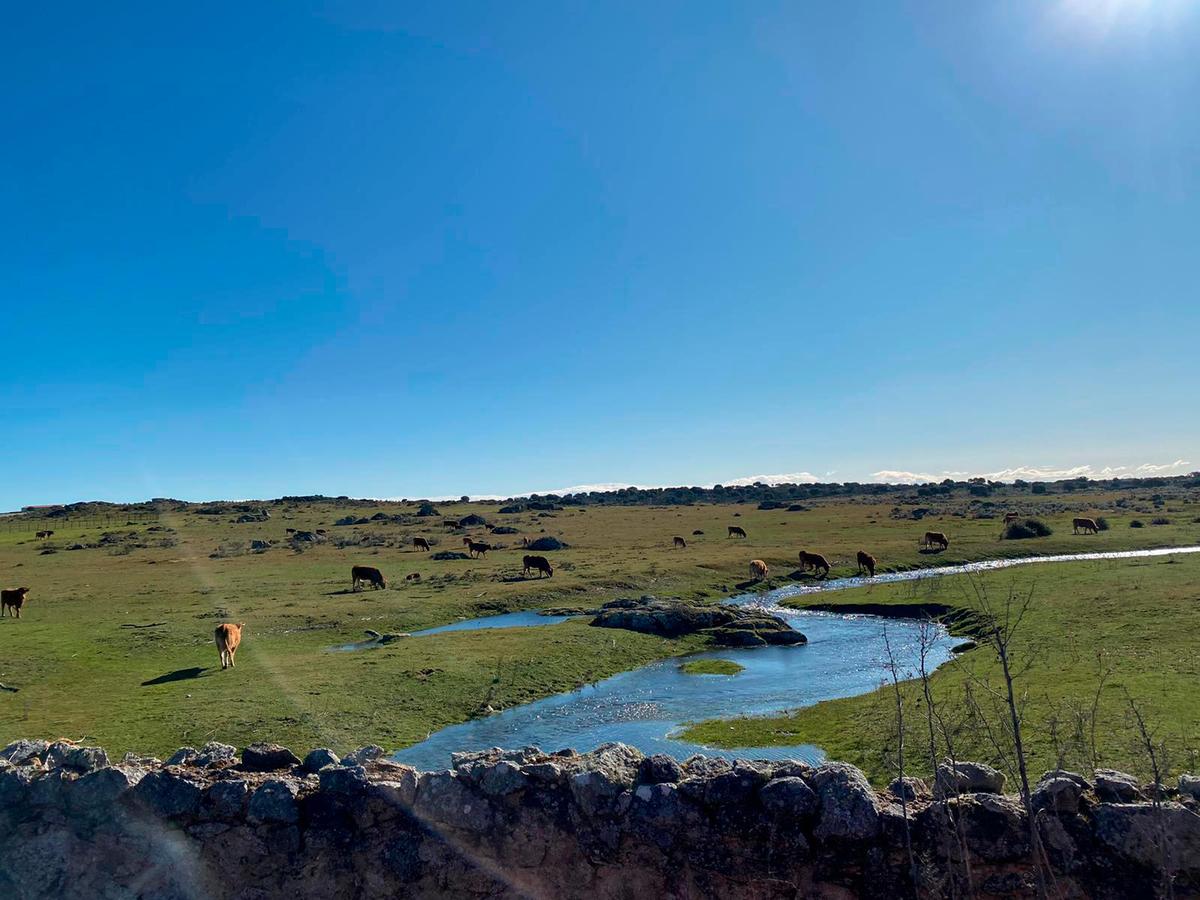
[{"x": 646, "y": 707}]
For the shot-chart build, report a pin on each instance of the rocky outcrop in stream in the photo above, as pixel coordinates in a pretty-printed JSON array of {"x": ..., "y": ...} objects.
[
  {"x": 210, "y": 823},
  {"x": 731, "y": 626}
]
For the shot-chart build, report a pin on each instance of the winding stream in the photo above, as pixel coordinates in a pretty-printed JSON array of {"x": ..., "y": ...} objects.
[{"x": 646, "y": 707}]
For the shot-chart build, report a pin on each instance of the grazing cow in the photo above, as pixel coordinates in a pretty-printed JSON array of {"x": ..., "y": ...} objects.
[
  {"x": 680, "y": 543},
  {"x": 12, "y": 600},
  {"x": 477, "y": 549},
  {"x": 228, "y": 637},
  {"x": 415, "y": 576},
  {"x": 758, "y": 569},
  {"x": 736, "y": 531},
  {"x": 451, "y": 523},
  {"x": 935, "y": 537},
  {"x": 421, "y": 544},
  {"x": 1088, "y": 526},
  {"x": 369, "y": 574},
  {"x": 540, "y": 563},
  {"x": 45, "y": 535},
  {"x": 866, "y": 561},
  {"x": 816, "y": 560}
]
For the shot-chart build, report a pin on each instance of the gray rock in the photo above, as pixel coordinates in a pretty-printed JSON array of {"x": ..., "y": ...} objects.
[
  {"x": 1060, "y": 795},
  {"x": 659, "y": 769},
  {"x": 847, "y": 805},
  {"x": 81, "y": 759},
  {"x": 227, "y": 799},
  {"x": 49, "y": 789},
  {"x": 908, "y": 788},
  {"x": 215, "y": 753},
  {"x": 502, "y": 779},
  {"x": 706, "y": 766},
  {"x": 788, "y": 797},
  {"x": 363, "y": 755},
  {"x": 967, "y": 778},
  {"x": 182, "y": 757},
  {"x": 263, "y": 757},
  {"x": 545, "y": 772},
  {"x": 994, "y": 825},
  {"x": 1083, "y": 783},
  {"x": 95, "y": 793},
  {"x": 1189, "y": 785},
  {"x": 343, "y": 779},
  {"x": 443, "y": 797},
  {"x": 14, "y": 786},
  {"x": 318, "y": 759},
  {"x": 274, "y": 801},
  {"x": 400, "y": 788},
  {"x": 24, "y": 751},
  {"x": 1134, "y": 830},
  {"x": 1116, "y": 787},
  {"x": 168, "y": 794},
  {"x": 596, "y": 792},
  {"x": 734, "y": 789}
]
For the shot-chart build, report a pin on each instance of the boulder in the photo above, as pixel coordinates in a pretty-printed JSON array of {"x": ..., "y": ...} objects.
[
  {"x": 994, "y": 825},
  {"x": 659, "y": 769},
  {"x": 264, "y": 757},
  {"x": 908, "y": 788},
  {"x": 182, "y": 757},
  {"x": 1116, "y": 787},
  {"x": 1189, "y": 785},
  {"x": 502, "y": 778},
  {"x": 364, "y": 755},
  {"x": 1141, "y": 833},
  {"x": 95, "y": 793},
  {"x": 23, "y": 752},
  {"x": 343, "y": 779},
  {"x": 847, "y": 808},
  {"x": 1057, "y": 794},
  {"x": 168, "y": 794},
  {"x": 446, "y": 799},
  {"x": 789, "y": 797},
  {"x": 546, "y": 543},
  {"x": 77, "y": 759},
  {"x": 214, "y": 753},
  {"x": 274, "y": 801},
  {"x": 318, "y": 759},
  {"x": 967, "y": 778},
  {"x": 226, "y": 799}
]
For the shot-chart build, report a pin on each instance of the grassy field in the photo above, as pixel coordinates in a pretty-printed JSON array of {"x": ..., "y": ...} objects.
[
  {"x": 115, "y": 645},
  {"x": 1096, "y": 635}
]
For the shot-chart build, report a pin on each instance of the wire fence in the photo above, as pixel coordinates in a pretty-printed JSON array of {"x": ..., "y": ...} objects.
[{"x": 34, "y": 524}]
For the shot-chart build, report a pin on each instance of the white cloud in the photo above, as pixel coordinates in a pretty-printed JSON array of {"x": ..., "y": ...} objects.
[{"x": 788, "y": 478}]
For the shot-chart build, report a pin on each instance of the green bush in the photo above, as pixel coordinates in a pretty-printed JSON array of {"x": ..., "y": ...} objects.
[
  {"x": 1160, "y": 520},
  {"x": 1029, "y": 528},
  {"x": 1137, "y": 523},
  {"x": 1102, "y": 523}
]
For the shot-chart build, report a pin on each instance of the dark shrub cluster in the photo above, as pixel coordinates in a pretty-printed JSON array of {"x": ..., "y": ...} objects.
[
  {"x": 1137, "y": 523},
  {"x": 1160, "y": 520},
  {"x": 1102, "y": 523},
  {"x": 1028, "y": 528}
]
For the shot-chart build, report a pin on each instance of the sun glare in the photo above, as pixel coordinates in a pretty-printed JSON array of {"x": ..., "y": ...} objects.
[{"x": 1105, "y": 18}]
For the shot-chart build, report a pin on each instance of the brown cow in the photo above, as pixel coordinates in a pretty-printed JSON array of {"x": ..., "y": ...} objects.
[
  {"x": 758, "y": 569},
  {"x": 369, "y": 574},
  {"x": 477, "y": 549},
  {"x": 680, "y": 543},
  {"x": 866, "y": 561},
  {"x": 736, "y": 531},
  {"x": 13, "y": 600},
  {"x": 935, "y": 537},
  {"x": 421, "y": 544},
  {"x": 1009, "y": 518},
  {"x": 44, "y": 535},
  {"x": 451, "y": 523},
  {"x": 816, "y": 560},
  {"x": 540, "y": 563},
  {"x": 1089, "y": 526},
  {"x": 227, "y": 637}
]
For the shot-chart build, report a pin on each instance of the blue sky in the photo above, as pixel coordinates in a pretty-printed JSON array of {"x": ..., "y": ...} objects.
[{"x": 403, "y": 250}]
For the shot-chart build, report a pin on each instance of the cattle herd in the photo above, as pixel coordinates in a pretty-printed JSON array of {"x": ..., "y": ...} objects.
[{"x": 228, "y": 636}]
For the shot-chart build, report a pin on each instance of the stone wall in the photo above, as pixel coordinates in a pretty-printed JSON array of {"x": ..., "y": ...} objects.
[{"x": 608, "y": 824}]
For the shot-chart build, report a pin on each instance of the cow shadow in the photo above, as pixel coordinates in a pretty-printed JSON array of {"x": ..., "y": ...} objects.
[
  {"x": 177, "y": 675},
  {"x": 341, "y": 592},
  {"x": 931, "y": 551}
]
